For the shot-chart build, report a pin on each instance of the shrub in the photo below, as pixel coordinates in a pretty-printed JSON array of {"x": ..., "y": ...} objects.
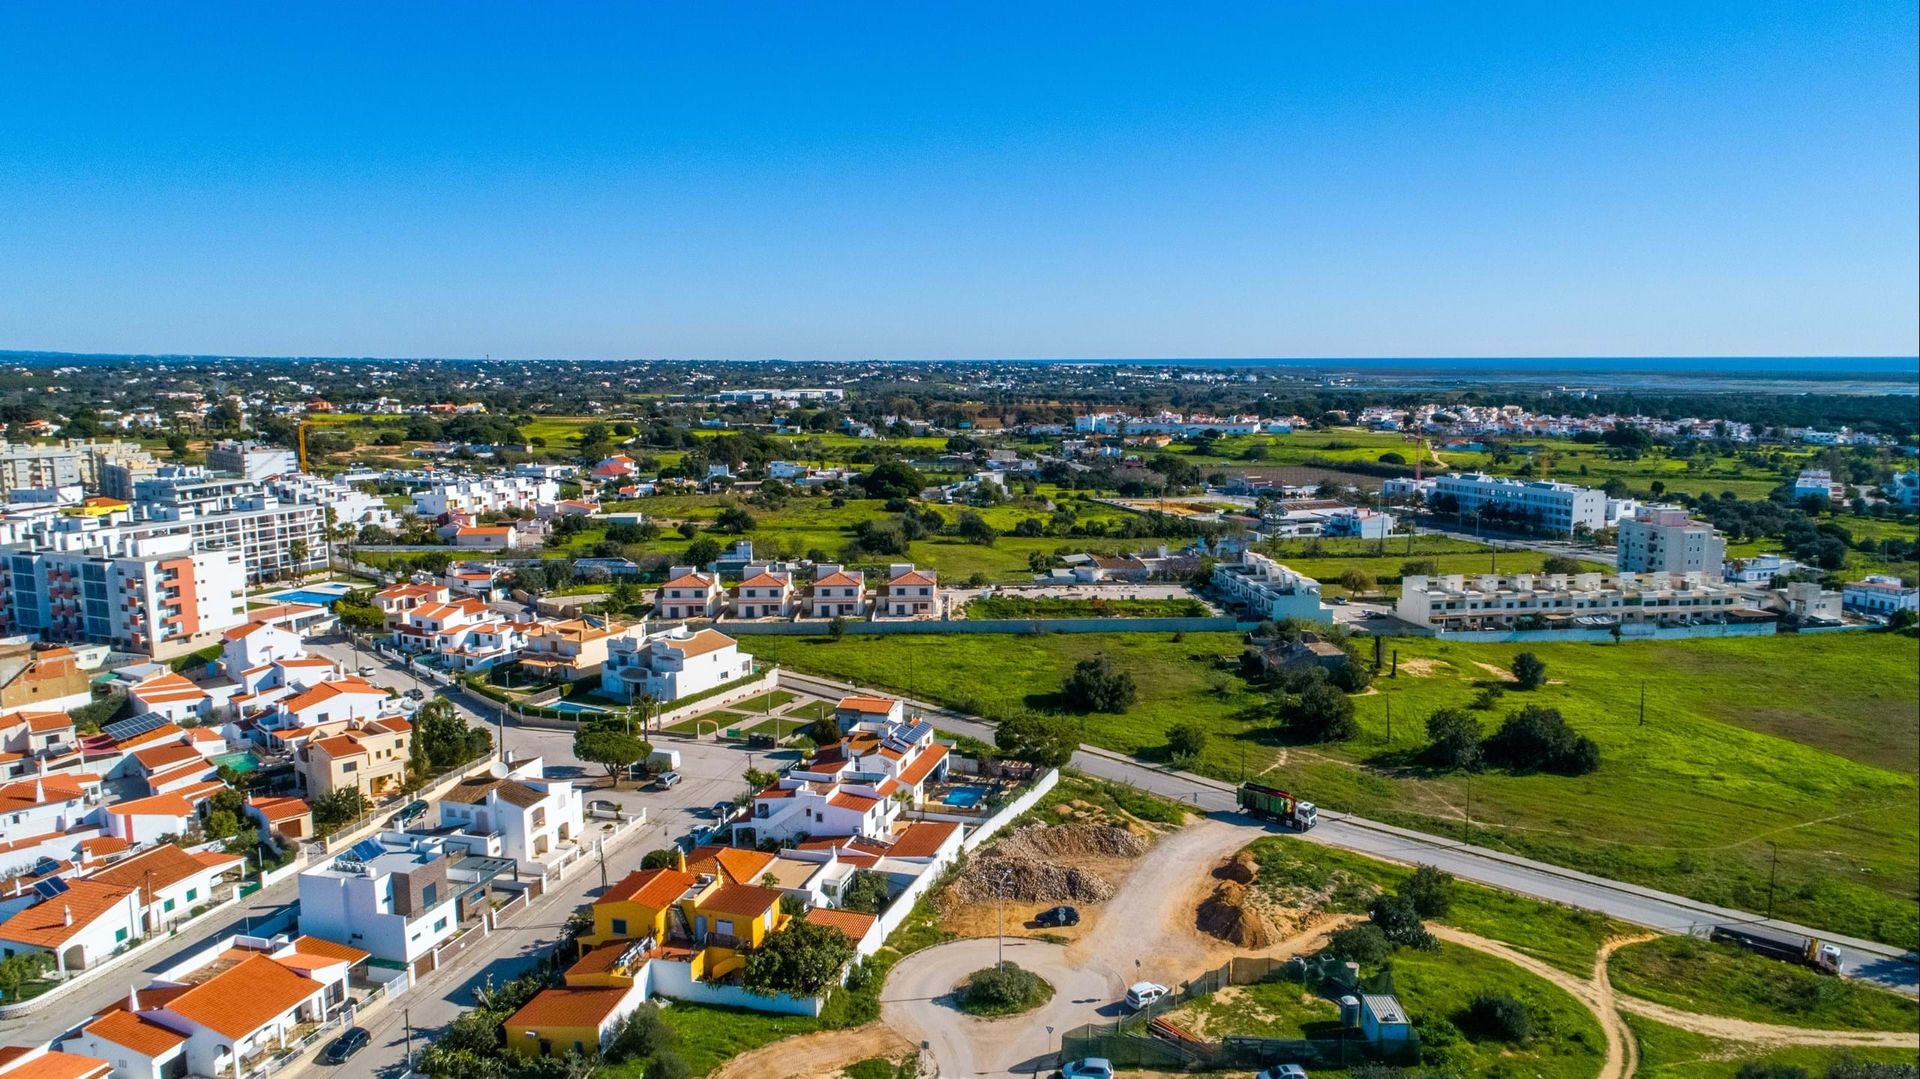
[
  {"x": 1098, "y": 685},
  {"x": 1496, "y": 1017},
  {"x": 1453, "y": 740},
  {"x": 1364, "y": 944},
  {"x": 1185, "y": 740},
  {"x": 1321, "y": 713},
  {"x": 1400, "y": 922},
  {"x": 1537, "y": 738},
  {"x": 1003, "y": 990},
  {"x": 1430, "y": 890},
  {"x": 1529, "y": 670}
]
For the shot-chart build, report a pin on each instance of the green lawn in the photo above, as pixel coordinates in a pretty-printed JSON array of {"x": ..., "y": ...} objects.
[
  {"x": 764, "y": 702},
  {"x": 1721, "y": 979},
  {"x": 1807, "y": 742},
  {"x": 1065, "y": 607},
  {"x": 811, "y": 711},
  {"x": 1669, "y": 1053}
]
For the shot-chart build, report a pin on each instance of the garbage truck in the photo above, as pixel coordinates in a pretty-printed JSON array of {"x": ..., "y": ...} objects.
[
  {"x": 1778, "y": 944},
  {"x": 1273, "y": 803}
]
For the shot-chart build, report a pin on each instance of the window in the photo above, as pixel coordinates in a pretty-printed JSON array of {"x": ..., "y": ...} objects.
[
  {"x": 428, "y": 894},
  {"x": 619, "y": 927},
  {"x": 439, "y": 925},
  {"x": 192, "y": 894},
  {"x": 119, "y": 935},
  {"x": 166, "y": 907}
]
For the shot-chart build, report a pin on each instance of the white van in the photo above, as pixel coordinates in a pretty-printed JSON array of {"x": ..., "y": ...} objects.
[{"x": 1141, "y": 994}]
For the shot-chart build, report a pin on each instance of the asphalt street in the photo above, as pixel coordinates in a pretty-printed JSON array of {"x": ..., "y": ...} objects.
[{"x": 1662, "y": 911}]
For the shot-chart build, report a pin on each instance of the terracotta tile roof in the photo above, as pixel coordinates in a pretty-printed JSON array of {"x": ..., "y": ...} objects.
[
  {"x": 912, "y": 577},
  {"x": 159, "y": 758},
  {"x": 652, "y": 888},
  {"x": 340, "y": 745},
  {"x": 42, "y": 722},
  {"x": 474, "y": 791},
  {"x": 857, "y": 802},
  {"x": 155, "y": 869},
  {"x": 281, "y": 610},
  {"x": 54, "y": 1064},
  {"x": 854, "y": 924},
  {"x": 307, "y": 962},
  {"x": 169, "y": 732},
  {"x": 741, "y": 900},
  {"x": 143, "y": 1036},
  {"x": 245, "y": 997},
  {"x": 764, "y": 580},
  {"x": 922, "y": 839},
  {"x": 738, "y": 864},
  {"x": 101, "y": 846},
  {"x": 326, "y": 691},
  {"x": 924, "y": 764},
  {"x": 166, "y": 688},
  {"x": 45, "y": 924},
  {"x": 279, "y": 809},
  {"x": 247, "y": 630},
  {"x": 689, "y": 580},
  {"x": 699, "y": 644},
  {"x": 838, "y": 580},
  {"x": 312, "y": 945},
  {"x": 569, "y": 1007},
  {"x": 866, "y": 705},
  {"x": 160, "y": 805}
]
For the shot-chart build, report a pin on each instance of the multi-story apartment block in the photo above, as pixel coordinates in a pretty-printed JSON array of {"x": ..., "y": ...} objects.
[
  {"x": 763, "y": 593},
  {"x": 1541, "y": 504},
  {"x": 689, "y": 593},
  {"x": 1578, "y": 601},
  {"x": 1880, "y": 595},
  {"x": 255, "y": 461},
  {"x": 348, "y": 505},
  {"x": 156, "y": 595},
  {"x": 486, "y": 495},
  {"x": 1269, "y": 590},
  {"x": 63, "y": 463},
  {"x": 1662, "y": 539},
  {"x": 911, "y": 592},
  {"x": 670, "y": 666}
]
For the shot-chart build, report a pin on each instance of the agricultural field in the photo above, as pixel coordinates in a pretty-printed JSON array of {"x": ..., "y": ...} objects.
[{"x": 1804, "y": 743}]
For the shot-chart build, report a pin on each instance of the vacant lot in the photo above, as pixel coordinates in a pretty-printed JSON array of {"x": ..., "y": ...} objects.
[
  {"x": 1804, "y": 742},
  {"x": 1721, "y": 979}
]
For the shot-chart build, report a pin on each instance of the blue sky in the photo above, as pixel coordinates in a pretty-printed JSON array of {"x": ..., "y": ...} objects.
[{"x": 919, "y": 180}]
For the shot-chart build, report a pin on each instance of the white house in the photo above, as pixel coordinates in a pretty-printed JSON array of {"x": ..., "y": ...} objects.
[
  {"x": 689, "y": 593},
  {"x": 390, "y": 896},
  {"x": 837, "y": 593},
  {"x": 532, "y": 816},
  {"x": 853, "y": 787},
  {"x": 763, "y": 594},
  {"x": 672, "y": 665},
  {"x": 911, "y": 592},
  {"x": 1880, "y": 595}
]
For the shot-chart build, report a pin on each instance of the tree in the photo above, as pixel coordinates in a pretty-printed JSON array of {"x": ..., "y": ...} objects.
[
  {"x": 18, "y": 970},
  {"x": 1529, "y": 671},
  {"x": 1559, "y": 563},
  {"x": 663, "y": 858},
  {"x": 866, "y": 892},
  {"x": 892, "y": 479},
  {"x": 1396, "y": 917},
  {"x": 734, "y": 519},
  {"x": 612, "y": 748},
  {"x": 641, "y": 1035},
  {"x": 1041, "y": 741},
  {"x": 703, "y": 551},
  {"x": 1098, "y": 685},
  {"x": 837, "y": 627},
  {"x": 801, "y": 959},
  {"x": 1498, "y": 1017},
  {"x": 1430, "y": 890},
  {"x": 1356, "y": 581},
  {"x": 449, "y": 741},
  {"x": 1185, "y": 740},
  {"x": 1453, "y": 740},
  {"x": 974, "y": 529},
  {"x": 823, "y": 731},
  {"x": 1536, "y": 738},
  {"x": 1320, "y": 713},
  {"x": 1364, "y": 944}
]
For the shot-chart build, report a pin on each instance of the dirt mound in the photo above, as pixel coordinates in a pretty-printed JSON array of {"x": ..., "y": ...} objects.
[
  {"x": 1241, "y": 868},
  {"x": 1070, "y": 841},
  {"x": 1227, "y": 913}
]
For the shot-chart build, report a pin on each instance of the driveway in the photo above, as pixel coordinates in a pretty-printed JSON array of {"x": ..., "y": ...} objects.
[{"x": 918, "y": 1002}]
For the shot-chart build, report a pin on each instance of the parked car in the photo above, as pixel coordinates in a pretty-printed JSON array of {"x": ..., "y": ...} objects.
[
  {"x": 1283, "y": 1071},
  {"x": 605, "y": 806},
  {"x": 668, "y": 780},
  {"x": 1141, "y": 994},
  {"x": 415, "y": 694},
  {"x": 721, "y": 810},
  {"x": 354, "y": 1040},
  {"x": 1057, "y": 916},
  {"x": 1090, "y": 1068},
  {"x": 409, "y": 813}
]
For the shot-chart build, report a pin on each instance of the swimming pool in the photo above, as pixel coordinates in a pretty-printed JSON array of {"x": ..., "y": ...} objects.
[
  {"x": 570, "y": 708},
  {"x": 965, "y": 797},
  {"x": 324, "y": 599},
  {"x": 242, "y": 761}
]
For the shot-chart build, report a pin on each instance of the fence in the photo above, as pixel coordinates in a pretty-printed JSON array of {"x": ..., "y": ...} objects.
[
  {"x": 1002, "y": 625},
  {"x": 1129, "y": 1042}
]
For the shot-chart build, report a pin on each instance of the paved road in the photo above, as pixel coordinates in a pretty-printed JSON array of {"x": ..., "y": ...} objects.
[
  {"x": 1517, "y": 541},
  {"x": 1662, "y": 911}
]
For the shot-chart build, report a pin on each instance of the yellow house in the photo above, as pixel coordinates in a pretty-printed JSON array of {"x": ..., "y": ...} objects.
[
  {"x": 716, "y": 917},
  {"x": 603, "y": 988}
]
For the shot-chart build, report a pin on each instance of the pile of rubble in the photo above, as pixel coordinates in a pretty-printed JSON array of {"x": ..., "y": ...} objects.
[{"x": 1033, "y": 865}]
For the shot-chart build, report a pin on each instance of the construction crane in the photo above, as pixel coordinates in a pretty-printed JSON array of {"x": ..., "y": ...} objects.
[{"x": 300, "y": 442}]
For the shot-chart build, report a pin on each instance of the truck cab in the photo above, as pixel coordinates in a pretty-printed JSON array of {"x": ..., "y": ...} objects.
[{"x": 1305, "y": 816}]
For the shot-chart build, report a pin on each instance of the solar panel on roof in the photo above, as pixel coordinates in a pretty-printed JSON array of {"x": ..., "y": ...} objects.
[
  {"x": 366, "y": 850},
  {"x": 52, "y": 886},
  {"x": 44, "y": 866},
  {"x": 130, "y": 728}
]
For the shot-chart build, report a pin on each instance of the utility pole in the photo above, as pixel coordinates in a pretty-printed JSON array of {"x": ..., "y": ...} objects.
[
  {"x": 407, "y": 1016},
  {"x": 601, "y": 847},
  {"x": 1643, "y": 702},
  {"x": 1773, "y": 875}
]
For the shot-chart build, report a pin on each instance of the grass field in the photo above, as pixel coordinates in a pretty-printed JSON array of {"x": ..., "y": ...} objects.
[
  {"x": 1669, "y": 1053},
  {"x": 1804, "y": 742},
  {"x": 1068, "y": 607},
  {"x": 1721, "y": 979}
]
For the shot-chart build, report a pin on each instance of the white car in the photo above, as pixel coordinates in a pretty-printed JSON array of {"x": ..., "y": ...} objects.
[
  {"x": 1141, "y": 994},
  {"x": 1090, "y": 1068},
  {"x": 1283, "y": 1071}
]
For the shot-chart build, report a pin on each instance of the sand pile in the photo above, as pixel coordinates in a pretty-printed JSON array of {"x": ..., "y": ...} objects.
[
  {"x": 1071, "y": 841},
  {"x": 1241, "y": 868},
  {"x": 1034, "y": 865},
  {"x": 1229, "y": 914}
]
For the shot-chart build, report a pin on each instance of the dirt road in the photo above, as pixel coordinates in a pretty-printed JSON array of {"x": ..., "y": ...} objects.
[
  {"x": 918, "y": 1003},
  {"x": 822, "y": 1053},
  {"x": 1146, "y": 930}
]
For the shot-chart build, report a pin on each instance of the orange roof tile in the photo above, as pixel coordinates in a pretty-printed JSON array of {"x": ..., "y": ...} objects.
[
  {"x": 699, "y": 644},
  {"x": 326, "y": 691},
  {"x": 854, "y": 924},
  {"x": 160, "y": 805},
  {"x": 689, "y": 580},
  {"x": 154, "y": 869},
  {"x": 312, "y": 945},
  {"x": 866, "y": 705},
  {"x": 245, "y": 997},
  {"x": 857, "y": 802},
  {"x": 742, "y": 900},
  {"x": 143, "y": 1036},
  {"x": 652, "y": 888},
  {"x": 736, "y": 863},
  {"x": 54, "y": 1064},
  {"x": 569, "y": 1007},
  {"x": 838, "y": 579},
  {"x": 924, "y": 764},
  {"x": 922, "y": 839},
  {"x": 46, "y": 924}
]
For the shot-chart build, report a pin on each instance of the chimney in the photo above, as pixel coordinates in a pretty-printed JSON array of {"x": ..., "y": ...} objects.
[
  {"x": 679, "y": 860},
  {"x": 67, "y": 910},
  {"x": 133, "y": 999}
]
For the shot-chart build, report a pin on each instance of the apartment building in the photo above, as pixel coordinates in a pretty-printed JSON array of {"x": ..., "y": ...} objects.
[
  {"x": 764, "y": 593},
  {"x": 350, "y": 507},
  {"x": 574, "y": 649},
  {"x": 250, "y": 460},
  {"x": 1269, "y": 590},
  {"x": 370, "y": 755},
  {"x": 1540, "y": 504},
  {"x": 673, "y": 665},
  {"x": 73, "y": 461},
  {"x": 689, "y": 593},
  {"x": 390, "y": 896},
  {"x": 490, "y": 494},
  {"x": 1662, "y": 539},
  {"x": 1578, "y": 601},
  {"x": 910, "y": 592},
  {"x": 156, "y": 595}
]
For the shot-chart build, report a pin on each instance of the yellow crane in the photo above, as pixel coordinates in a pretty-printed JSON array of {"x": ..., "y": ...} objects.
[{"x": 300, "y": 442}]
